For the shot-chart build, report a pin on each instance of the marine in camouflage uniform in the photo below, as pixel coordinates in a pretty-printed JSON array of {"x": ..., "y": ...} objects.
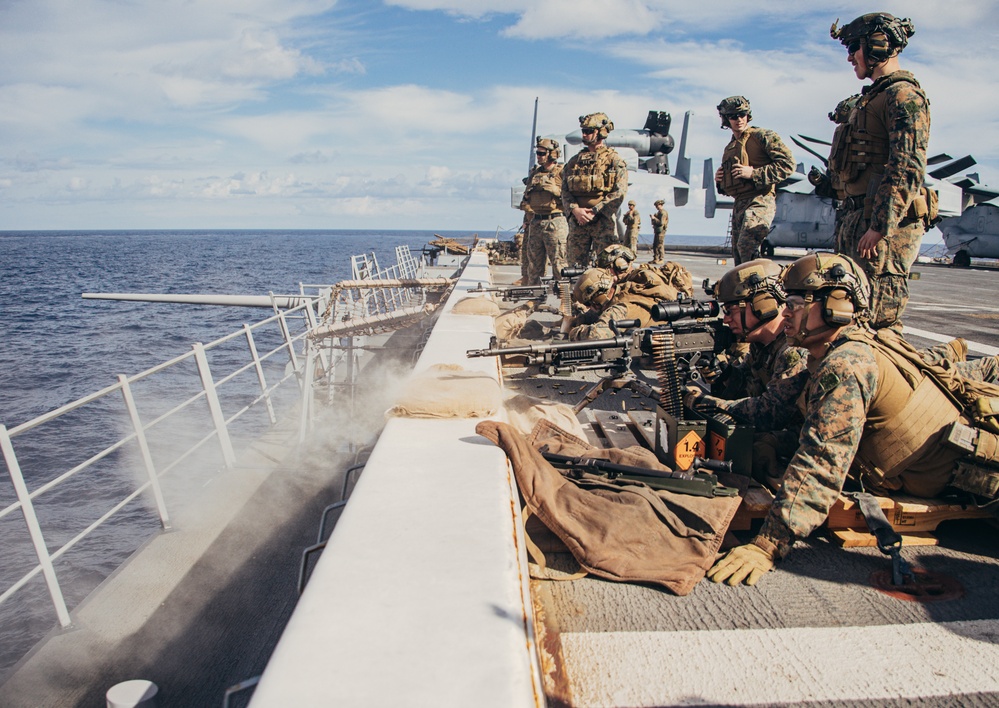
[
  {"x": 632, "y": 224},
  {"x": 755, "y": 161},
  {"x": 752, "y": 298},
  {"x": 881, "y": 164},
  {"x": 660, "y": 220},
  {"x": 869, "y": 414},
  {"x": 594, "y": 185},
  {"x": 543, "y": 200},
  {"x": 627, "y": 296}
]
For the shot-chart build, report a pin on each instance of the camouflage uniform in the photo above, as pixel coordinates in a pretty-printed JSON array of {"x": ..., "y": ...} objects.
[
  {"x": 887, "y": 196},
  {"x": 632, "y": 222},
  {"x": 548, "y": 227},
  {"x": 524, "y": 247},
  {"x": 851, "y": 394},
  {"x": 755, "y": 200},
  {"x": 634, "y": 297},
  {"x": 660, "y": 220},
  {"x": 607, "y": 167}
]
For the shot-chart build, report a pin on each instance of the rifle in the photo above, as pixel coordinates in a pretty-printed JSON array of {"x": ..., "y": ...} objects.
[
  {"x": 556, "y": 286},
  {"x": 695, "y": 482}
]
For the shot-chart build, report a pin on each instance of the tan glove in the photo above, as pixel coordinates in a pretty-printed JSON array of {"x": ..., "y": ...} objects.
[{"x": 743, "y": 563}]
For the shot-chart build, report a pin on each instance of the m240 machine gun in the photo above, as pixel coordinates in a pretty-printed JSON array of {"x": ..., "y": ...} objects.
[
  {"x": 681, "y": 350},
  {"x": 560, "y": 287},
  {"x": 686, "y": 342}
]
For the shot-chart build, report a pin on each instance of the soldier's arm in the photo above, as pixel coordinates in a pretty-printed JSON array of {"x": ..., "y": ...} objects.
[
  {"x": 613, "y": 200},
  {"x": 781, "y": 161},
  {"x": 838, "y": 398},
  {"x": 568, "y": 201},
  {"x": 908, "y": 135}
]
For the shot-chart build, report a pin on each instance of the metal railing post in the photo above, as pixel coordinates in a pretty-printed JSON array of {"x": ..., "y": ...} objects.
[
  {"x": 286, "y": 333},
  {"x": 147, "y": 456},
  {"x": 214, "y": 405},
  {"x": 34, "y": 529},
  {"x": 311, "y": 322},
  {"x": 260, "y": 373},
  {"x": 306, "y": 420}
]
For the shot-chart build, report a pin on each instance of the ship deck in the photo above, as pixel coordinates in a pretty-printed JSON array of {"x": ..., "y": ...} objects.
[{"x": 813, "y": 632}]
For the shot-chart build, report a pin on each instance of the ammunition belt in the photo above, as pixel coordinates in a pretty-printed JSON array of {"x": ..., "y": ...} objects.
[{"x": 664, "y": 357}]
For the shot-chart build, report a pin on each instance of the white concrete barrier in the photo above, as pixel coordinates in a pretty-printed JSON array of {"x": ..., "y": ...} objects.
[{"x": 420, "y": 597}]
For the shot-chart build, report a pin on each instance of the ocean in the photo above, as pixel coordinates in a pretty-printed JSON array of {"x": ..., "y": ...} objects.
[{"x": 57, "y": 347}]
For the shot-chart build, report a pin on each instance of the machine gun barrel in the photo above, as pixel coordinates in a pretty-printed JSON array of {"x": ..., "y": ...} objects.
[
  {"x": 667, "y": 311},
  {"x": 698, "y": 484},
  {"x": 547, "y": 348}
]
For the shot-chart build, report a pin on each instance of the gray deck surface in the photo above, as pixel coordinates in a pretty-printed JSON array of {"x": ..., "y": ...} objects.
[{"x": 631, "y": 645}]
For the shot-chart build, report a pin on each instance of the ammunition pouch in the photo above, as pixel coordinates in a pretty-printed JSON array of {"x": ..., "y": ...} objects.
[
  {"x": 736, "y": 186},
  {"x": 976, "y": 479},
  {"x": 591, "y": 178},
  {"x": 924, "y": 208}
]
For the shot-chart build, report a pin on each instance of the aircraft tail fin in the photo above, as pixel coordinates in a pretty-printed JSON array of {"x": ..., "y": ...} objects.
[
  {"x": 712, "y": 201},
  {"x": 680, "y": 194}
]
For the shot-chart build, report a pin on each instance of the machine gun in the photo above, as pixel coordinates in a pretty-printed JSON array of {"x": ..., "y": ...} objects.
[
  {"x": 534, "y": 292},
  {"x": 696, "y": 482},
  {"x": 679, "y": 349}
]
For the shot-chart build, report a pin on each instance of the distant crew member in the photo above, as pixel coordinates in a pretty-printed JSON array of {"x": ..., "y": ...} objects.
[
  {"x": 624, "y": 293},
  {"x": 632, "y": 222},
  {"x": 543, "y": 200},
  {"x": 882, "y": 164},
  {"x": 755, "y": 161},
  {"x": 594, "y": 185},
  {"x": 660, "y": 220}
]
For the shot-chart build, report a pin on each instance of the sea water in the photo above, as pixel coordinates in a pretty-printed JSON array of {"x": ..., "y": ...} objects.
[{"x": 57, "y": 347}]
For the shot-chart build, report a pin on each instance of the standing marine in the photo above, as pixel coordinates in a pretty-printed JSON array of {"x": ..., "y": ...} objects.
[
  {"x": 882, "y": 163},
  {"x": 660, "y": 220},
  {"x": 594, "y": 185},
  {"x": 632, "y": 223},
  {"x": 543, "y": 201},
  {"x": 755, "y": 161}
]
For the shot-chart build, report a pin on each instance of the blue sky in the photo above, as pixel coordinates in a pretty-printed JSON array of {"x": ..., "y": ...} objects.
[{"x": 415, "y": 113}]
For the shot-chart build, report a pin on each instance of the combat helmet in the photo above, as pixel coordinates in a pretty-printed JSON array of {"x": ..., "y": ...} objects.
[
  {"x": 594, "y": 288},
  {"x": 756, "y": 283},
  {"x": 734, "y": 106},
  {"x": 836, "y": 280},
  {"x": 600, "y": 121},
  {"x": 881, "y": 35},
  {"x": 617, "y": 258},
  {"x": 658, "y": 202},
  {"x": 549, "y": 144}
]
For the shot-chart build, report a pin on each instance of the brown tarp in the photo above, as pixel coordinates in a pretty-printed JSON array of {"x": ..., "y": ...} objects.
[{"x": 627, "y": 533}]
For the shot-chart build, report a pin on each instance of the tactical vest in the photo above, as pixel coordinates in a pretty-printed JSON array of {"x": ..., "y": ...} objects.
[
  {"x": 592, "y": 176},
  {"x": 746, "y": 150},
  {"x": 837, "y": 157},
  {"x": 909, "y": 440},
  {"x": 859, "y": 156},
  {"x": 544, "y": 191}
]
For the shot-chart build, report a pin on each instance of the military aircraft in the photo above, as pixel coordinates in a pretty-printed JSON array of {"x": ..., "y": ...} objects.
[
  {"x": 647, "y": 150},
  {"x": 806, "y": 220}
]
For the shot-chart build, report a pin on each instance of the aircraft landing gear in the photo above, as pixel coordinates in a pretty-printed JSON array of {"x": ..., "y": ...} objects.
[{"x": 962, "y": 259}]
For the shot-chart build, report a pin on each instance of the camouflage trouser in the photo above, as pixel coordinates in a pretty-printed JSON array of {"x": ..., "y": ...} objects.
[
  {"x": 548, "y": 238},
  {"x": 888, "y": 271},
  {"x": 751, "y": 219},
  {"x": 586, "y": 241},
  {"x": 524, "y": 241},
  {"x": 659, "y": 246},
  {"x": 631, "y": 239}
]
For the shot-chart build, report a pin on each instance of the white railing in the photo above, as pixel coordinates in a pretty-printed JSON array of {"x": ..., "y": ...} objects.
[
  {"x": 144, "y": 428},
  {"x": 289, "y": 357}
]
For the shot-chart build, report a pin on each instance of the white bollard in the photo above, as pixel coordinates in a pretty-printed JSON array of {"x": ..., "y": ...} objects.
[{"x": 137, "y": 693}]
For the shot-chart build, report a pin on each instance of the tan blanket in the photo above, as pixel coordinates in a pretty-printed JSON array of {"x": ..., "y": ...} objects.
[{"x": 625, "y": 533}]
